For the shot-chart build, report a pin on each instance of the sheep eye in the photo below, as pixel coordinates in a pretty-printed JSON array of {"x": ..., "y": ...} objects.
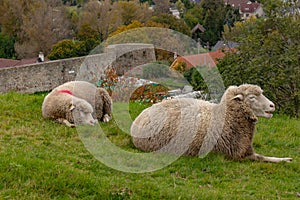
[{"x": 252, "y": 97}]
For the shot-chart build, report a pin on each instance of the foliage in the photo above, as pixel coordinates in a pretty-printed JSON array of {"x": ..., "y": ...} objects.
[
  {"x": 6, "y": 46},
  {"x": 193, "y": 16},
  {"x": 161, "y": 6},
  {"x": 172, "y": 22},
  {"x": 212, "y": 15},
  {"x": 268, "y": 55},
  {"x": 206, "y": 79},
  {"x": 72, "y": 48},
  {"x": 193, "y": 76},
  {"x": 128, "y": 11},
  {"x": 63, "y": 49},
  {"x": 151, "y": 93},
  {"x": 180, "y": 66},
  {"x": 41, "y": 159},
  {"x": 134, "y": 24},
  {"x": 36, "y": 25},
  {"x": 111, "y": 79}
]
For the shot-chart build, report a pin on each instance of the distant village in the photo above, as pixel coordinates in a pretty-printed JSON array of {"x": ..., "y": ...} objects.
[{"x": 246, "y": 9}]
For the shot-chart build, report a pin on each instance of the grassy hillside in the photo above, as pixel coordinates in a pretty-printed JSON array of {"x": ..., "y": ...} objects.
[{"x": 40, "y": 159}]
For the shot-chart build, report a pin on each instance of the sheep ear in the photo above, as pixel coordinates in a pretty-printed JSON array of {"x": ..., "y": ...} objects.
[
  {"x": 238, "y": 97},
  {"x": 71, "y": 106}
]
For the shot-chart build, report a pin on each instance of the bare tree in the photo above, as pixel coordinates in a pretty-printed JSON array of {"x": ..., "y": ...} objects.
[
  {"x": 127, "y": 12},
  {"x": 96, "y": 17},
  {"x": 42, "y": 27},
  {"x": 161, "y": 6},
  {"x": 11, "y": 17},
  {"x": 105, "y": 17}
]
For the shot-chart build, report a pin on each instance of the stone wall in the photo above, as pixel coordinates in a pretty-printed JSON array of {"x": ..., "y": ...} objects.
[{"x": 48, "y": 75}]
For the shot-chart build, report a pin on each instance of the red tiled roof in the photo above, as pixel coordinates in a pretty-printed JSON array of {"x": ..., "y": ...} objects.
[
  {"x": 7, "y": 62},
  {"x": 249, "y": 7},
  {"x": 13, "y": 63},
  {"x": 204, "y": 59},
  {"x": 235, "y": 3}
]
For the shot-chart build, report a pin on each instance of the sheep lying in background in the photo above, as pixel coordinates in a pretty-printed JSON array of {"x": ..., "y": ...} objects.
[
  {"x": 62, "y": 106},
  {"x": 195, "y": 127},
  {"x": 97, "y": 97}
]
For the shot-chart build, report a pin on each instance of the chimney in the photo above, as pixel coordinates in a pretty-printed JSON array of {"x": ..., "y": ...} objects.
[{"x": 41, "y": 57}]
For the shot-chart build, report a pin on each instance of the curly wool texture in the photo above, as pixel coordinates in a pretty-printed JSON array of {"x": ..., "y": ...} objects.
[
  {"x": 56, "y": 105},
  {"x": 227, "y": 127},
  {"x": 97, "y": 97}
]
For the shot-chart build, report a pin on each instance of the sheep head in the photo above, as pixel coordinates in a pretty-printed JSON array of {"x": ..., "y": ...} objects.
[
  {"x": 252, "y": 96},
  {"x": 82, "y": 111}
]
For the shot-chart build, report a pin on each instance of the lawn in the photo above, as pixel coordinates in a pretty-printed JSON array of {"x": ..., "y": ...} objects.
[{"x": 40, "y": 159}]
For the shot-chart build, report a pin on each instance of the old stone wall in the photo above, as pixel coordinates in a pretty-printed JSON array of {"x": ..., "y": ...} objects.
[{"x": 48, "y": 75}]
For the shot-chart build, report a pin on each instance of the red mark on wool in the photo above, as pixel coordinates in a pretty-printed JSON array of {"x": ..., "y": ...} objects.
[{"x": 65, "y": 91}]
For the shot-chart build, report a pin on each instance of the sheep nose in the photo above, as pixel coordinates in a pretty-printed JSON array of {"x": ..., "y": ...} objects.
[{"x": 272, "y": 105}]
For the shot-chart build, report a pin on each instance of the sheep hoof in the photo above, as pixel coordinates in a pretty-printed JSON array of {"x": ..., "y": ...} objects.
[
  {"x": 106, "y": 118},
  {"x": 287, "y": 159}
]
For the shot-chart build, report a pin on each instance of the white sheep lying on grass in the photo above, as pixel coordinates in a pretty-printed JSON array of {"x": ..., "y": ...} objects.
[
  {"x": 96, "y": 96},
  {"x": 195, "y": 127},
  {"x": 62, "y": 106}
]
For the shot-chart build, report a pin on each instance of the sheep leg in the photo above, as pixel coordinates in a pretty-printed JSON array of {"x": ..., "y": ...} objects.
[
  {"x": 258, "y": 157},
  {"x": 66, "y": 122},
  {"x": 106, "y": 118}
]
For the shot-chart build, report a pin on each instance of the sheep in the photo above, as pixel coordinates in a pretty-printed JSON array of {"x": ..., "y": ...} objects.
[
  {"x": 62, "y": 106},
  {"x": 196, "y": 127},
  {"x": 96, "y": 96}
]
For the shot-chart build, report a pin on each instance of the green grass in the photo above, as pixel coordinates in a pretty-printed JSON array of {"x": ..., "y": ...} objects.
[{"x": 40, "y": 159}]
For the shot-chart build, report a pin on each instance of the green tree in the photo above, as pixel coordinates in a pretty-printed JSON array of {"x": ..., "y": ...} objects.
[
  {"x": 214, "y": 13},
  {"x": 206, "y": 79},
  {"x": 64, "y": 49},
  {"x": 194, "y": 77},
  {"x": 172, "y": 22},
  {"x": 268, "y": 55},
  {"x": 194, "y": 16},
  {"x": 6, "y": 46}
]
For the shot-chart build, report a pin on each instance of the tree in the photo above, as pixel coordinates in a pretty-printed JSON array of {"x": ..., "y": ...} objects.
[
  {"x": 126, "y": 12},
  {"x": 103, "y": 18},
  {"x": 42, "y": 27},
  {"x": 95, "y": 20},
  {"x": 6, "y": 46},
  {"x": 11, "y": 18},
  {"x": 64, "y": 49},
  {"x": 194, "y": 16},
  {"x": 172, "y": 22},
  {"x": 268, "y": 55},
  {"x": 72, "y": 48},
  {"x": 213, "y": 20},
  {"x": 161, "y": 6},
  {"x": 133, "y": 25}
]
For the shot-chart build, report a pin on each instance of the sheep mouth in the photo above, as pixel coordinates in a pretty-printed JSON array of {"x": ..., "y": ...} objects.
[{"x": 269, "y": 114}]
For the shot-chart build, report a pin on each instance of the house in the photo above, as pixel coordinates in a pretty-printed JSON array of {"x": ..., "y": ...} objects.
[
  {"x": 246, "y": 8},
  {"x": 204, "y": 59},
  {"x": 235, "y": 3},
  {"x": 175, "y": 13},
  {"x": 251, "y": 9},
  {"x": 225, "y": 45}
]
